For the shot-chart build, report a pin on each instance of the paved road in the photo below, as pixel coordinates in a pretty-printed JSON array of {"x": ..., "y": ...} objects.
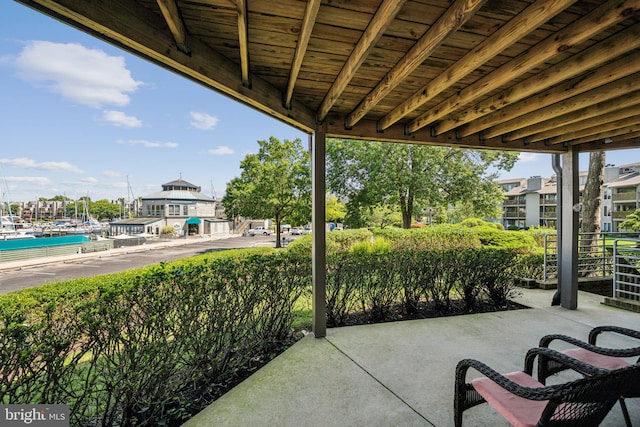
[{"x": 114, "y": 261}]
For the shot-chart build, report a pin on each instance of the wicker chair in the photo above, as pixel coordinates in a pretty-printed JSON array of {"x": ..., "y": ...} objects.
[
  {"x": 523, "y": 401},
  {"x": 601, "y": 357}
]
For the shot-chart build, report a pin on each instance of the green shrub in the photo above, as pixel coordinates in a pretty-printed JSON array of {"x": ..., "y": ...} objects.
[
  {"x": 514, "y": 240},
  {"x": 153, "y": 346}
]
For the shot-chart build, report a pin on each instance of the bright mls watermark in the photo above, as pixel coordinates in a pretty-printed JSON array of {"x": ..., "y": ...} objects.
[{"x": 34, "y": 415}]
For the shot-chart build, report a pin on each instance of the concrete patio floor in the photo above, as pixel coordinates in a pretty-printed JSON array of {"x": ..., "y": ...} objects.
[{"x": 402, "y": 373}]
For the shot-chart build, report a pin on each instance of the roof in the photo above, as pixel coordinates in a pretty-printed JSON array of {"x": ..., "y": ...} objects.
[
  {"x": 547, "y": 76},
  {"x": 629, "y": 180},
  {"x": 136, "y": 221},
  {"x": 180, "y": 183},
  {"x": 179, "y": 195}
]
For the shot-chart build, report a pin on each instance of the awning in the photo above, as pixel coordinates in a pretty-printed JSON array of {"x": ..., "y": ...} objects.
[{"x": 193, "y": 220}]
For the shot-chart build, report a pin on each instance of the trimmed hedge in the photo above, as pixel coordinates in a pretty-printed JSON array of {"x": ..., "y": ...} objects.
[
  {"x": 373, "y": 283},
  {"x": 154, "y": 346},
  {"x": 152, "y": 349}
]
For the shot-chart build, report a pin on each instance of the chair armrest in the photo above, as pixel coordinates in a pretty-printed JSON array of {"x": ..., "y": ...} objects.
[
  {"x": 593, "y": 335},
  {"x": 614, "y": 352},
  {"x": 551, "y": 361},
  {"x": 530, "y": 393}
]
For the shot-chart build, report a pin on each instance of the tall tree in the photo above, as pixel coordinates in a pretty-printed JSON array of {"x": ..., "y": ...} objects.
[
  {"x": 591, "y": 201},
  {"x": 274, "y": 183},
  {"x": 409, "y": 176}
]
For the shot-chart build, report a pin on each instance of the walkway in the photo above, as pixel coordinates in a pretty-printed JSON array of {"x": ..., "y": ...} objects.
[{"x": 401, "y": 374}]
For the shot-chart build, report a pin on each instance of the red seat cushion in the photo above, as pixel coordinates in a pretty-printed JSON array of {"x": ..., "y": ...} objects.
[
  {"x": 595, "y": 359},
  {"x": 518, "y": 411}
]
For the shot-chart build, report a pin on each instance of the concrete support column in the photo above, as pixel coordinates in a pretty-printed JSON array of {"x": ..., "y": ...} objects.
[
  {"x": 568, "y": 263},
  {"x": 317, "y": 145}
]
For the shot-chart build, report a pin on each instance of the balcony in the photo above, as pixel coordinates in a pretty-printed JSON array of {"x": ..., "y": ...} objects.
[
  {"x": 402, "y": 373},
  {"x": 625, "y": 197},
  {"x": 621, "y": 215}
]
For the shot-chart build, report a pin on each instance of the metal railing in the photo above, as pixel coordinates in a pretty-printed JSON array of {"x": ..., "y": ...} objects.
[
  {"x": 626, "y": 278},
  {"x": 595, "y": 254}
]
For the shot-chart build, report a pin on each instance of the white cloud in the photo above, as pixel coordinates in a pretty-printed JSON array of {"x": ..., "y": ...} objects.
[
  {"x": 221, "y": 150},
  {"x": 87, "y": 76},
  {"x": 111, "y": 174},
  {"x": 37, "y": 180},
  {"x": 25, "y": 163},
  {"x": 120, "y": 119},
  {"x": 148, "y": 144},
  {"x": 525, "y": 157},
  {"x": 203, "y": 121}
]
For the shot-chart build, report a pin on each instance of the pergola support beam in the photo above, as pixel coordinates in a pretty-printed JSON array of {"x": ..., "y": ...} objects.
[
  {"x": 317, "y": 145},
  {"x": 570, "y": 213}
]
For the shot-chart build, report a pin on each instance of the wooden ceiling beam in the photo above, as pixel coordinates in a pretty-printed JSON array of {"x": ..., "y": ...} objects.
[
  {"x": 449, "y": 22},
  {"x": 309, "y": 20},
  {"x": 625, "y": 142},
  {"x": 243, "y": 41},
  {"x": 384, "y": 16},
  {"x": 598, "y": 54},
  {"x": 522, "y": 24},
  {"x": 582, "y": 119},
  {"x": 503, "y": 121},
  {"x": 367, "y": 130},
  {"x": 603, "y": 124},
  {"x": 610, "y": 13},
  {"x": 624, "y": 132},
  {"x": 509, "y": 124},
  {"x": 171, "y": 15},
  {"x": 130, "y": 26}
]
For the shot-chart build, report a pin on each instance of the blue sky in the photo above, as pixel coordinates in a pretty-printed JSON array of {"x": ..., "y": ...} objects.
[{"x": 81, "y": 117}]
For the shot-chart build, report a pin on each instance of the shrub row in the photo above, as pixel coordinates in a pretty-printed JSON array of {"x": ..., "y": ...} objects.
[
  {"x": 156, "y": 345},
  {"x": 373, "y": 283},
  {"x": 152, "y": 350}
]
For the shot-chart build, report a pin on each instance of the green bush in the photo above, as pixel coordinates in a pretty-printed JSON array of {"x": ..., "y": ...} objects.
[
  {"x": 153, "y": 346},
  {"x": 149, "y": 348},
  {"x": 436, "y": 237},
  {"x": 514, "y": 240}
]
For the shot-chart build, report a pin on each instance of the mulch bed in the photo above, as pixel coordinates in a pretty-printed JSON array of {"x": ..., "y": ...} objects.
[{"x": 425, "y": 310}]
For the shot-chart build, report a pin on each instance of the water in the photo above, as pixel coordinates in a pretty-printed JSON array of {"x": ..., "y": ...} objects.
[{"x": 11, "y": 244}]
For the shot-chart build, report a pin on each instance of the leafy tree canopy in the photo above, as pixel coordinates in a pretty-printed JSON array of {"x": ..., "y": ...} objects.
[
  {"x": 413, "y": 177},
  {"x": 632, "y": 223},
  {"x": 274, "y": 183}
]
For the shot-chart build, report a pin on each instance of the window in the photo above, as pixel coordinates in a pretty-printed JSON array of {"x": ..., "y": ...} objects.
[{"x": 174, "y": 210}]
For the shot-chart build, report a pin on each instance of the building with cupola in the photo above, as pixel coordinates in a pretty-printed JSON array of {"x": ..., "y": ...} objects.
[{"x": 181, "y": 206}]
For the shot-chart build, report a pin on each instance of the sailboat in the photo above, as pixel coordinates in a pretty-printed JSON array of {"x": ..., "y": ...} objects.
[{"x": 8, "y": 228}]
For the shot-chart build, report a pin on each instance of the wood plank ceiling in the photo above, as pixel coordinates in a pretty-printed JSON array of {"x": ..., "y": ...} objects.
[{"x": 547, "y": 76}]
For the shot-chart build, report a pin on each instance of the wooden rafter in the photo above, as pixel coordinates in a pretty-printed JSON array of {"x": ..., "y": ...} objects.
[
  {"x": 514, "y": 128},
  {"x": 606, "y": 15},
  {"x": 385, "y": 14},
  {"x": 610, "y": 122},
  {"x": 455, "y": 16},
  {"x": 310, "y": 13},
  {"x": 551, "y": 128},
  {"x": 612, "y": 72},
  {"x": 243, "y": 41},
  {"x": 523, "y": 23},
  {"x": 624, "y": 132},
  {"x": 171, "y": 15},
  {"x": 492, "y": 111}
]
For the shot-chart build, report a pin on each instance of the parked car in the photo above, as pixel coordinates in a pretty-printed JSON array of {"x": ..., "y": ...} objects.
[
  {"x": 296, "y": 231},
  {"x": 260, "y": 230},
  {"x": 306, "y": 230}
]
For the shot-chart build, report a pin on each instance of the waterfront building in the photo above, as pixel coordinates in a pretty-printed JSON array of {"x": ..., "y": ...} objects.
[{"x": 181, "y": 206}]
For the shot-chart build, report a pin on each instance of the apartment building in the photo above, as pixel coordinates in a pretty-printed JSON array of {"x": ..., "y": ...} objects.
[{"x": 533, "y": 202}]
